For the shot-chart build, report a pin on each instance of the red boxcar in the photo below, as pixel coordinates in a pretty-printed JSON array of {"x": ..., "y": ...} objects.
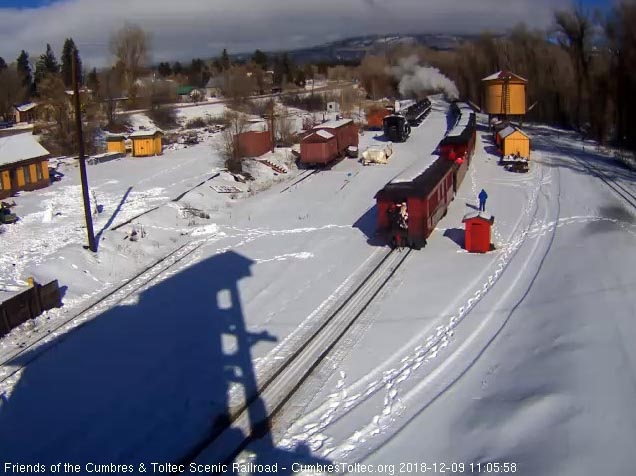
[
  {"x": 318, "y": 147},
  {"x": 426, "y": 192},
  {"x": 346, "y": 133}
]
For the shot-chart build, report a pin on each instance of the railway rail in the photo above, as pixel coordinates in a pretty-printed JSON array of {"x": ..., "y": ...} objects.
[
  {"x": 112, "y": 297},
  {"x": 274, "y": 392},
  {"x": 627, "y": 195}
]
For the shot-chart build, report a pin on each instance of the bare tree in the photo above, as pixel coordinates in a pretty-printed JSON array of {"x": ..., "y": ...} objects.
[
  {"x": 575, "y": 29},
  {"x": 284, "y": 128},
  {"x": 12, "y": 91},
  {"x": 373, "y": 73},
  {"x": 240, "y": 84},
  {"x": 236, "y": 124},
  {"x": 59, "y": 135},
  {"x": 131, "y": 47}
]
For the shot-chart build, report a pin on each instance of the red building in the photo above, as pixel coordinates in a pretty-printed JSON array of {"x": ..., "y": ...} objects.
[
  {"x": 254, "y": 143},
  {"x": 478, "y": 232}
]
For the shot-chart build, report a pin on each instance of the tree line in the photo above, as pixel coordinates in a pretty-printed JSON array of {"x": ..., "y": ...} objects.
[{"x": 580, "y": 71}]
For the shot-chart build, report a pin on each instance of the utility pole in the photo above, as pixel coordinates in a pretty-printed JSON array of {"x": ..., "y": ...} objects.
[
  {"x": 271, "y": 127},
  {"x": 82, "y": 159}
]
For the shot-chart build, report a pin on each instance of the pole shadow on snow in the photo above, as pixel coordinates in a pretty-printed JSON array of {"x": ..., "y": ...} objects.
[
  {"x": 113, "y": 216},
  {"x": 146, "y": 381}
]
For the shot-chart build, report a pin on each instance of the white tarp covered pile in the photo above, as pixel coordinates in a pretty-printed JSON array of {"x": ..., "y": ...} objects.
[{"x": 377, "y": 155}]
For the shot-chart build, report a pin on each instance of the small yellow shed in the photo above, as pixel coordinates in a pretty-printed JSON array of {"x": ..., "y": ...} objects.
[
  {"x": 116, "y": 144},
  {"x": 146, "y": 143},
  {"x": 514, "y": 141}
]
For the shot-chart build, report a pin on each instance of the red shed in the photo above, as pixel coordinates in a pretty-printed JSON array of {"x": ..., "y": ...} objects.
[
  {"x": 254, "y": 143},
  {"x": 478, "y": 227},
  {"x": 318, "y": 147},
  {"x": 346, "y": 133}
]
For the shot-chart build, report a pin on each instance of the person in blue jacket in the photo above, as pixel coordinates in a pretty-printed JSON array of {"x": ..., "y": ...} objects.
[{"x": 482, "y": 200}]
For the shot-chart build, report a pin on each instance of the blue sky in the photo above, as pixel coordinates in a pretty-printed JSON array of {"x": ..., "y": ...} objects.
[{"x": 189, "y": 28}]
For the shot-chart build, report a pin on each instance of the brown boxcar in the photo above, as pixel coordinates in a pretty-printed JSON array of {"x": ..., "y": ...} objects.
[
  {"x": 318, "y": 148},
  {"x": 426, "y": 193},
  {"x": 346, "y": 133}
]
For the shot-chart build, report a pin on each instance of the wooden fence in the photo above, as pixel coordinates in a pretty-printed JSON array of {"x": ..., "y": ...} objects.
[{"x": 28, "y": 304}]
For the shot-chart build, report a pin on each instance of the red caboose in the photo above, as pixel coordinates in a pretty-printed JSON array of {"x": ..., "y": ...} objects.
[{"x": 425, "y": 192}]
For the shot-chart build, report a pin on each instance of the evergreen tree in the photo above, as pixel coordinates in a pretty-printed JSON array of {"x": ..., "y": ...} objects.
[
  {"x": 164, "y": 69},
  {"x": 225, "y": 60},
  {"x": 67, "y": 62},
  {"x": 24, "y": 70},
  {"x": 92, "y": 81},
  {"x": 177, "y": 68},
  {"x": 3, "y": 64},
  {"x": 46, "y": 64},
  {"x": 260, "y": 59}
]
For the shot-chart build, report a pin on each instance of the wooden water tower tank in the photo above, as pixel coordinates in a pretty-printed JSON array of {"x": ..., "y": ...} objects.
[{"x": 504, "y": 94}]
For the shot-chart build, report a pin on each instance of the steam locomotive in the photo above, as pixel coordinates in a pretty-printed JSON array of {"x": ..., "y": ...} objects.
[{"x": 409, "y": 113}]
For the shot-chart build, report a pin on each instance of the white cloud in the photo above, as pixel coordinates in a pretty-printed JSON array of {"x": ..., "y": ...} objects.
[{"x": 186, "y": 28}]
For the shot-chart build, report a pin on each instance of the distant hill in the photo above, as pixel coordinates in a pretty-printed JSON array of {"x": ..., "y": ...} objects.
[{"x": 354, "y": 49}]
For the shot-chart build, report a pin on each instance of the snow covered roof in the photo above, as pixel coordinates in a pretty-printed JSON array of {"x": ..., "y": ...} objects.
[
  {"x": 325, "y": 134},
  {"x": 26, "y": 107},
  {"x": 504, "y": 75},
  {"x": 333, "y": 124},
  {"x": 145, "y": 133},
  {"x": 503, "y": 133},
  {"x": 481, "y": 215},
  {"x": 19, "y": 147},
  {"x": 412, "y": 172}
]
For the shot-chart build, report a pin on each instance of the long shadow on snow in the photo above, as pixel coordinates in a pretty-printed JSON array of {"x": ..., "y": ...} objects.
[
  {"x": 143, "y": 382},
  {"x": 611, "y": 168},
  {"x": 367, "y": 224},
  {"x": 113, "y": 216}
]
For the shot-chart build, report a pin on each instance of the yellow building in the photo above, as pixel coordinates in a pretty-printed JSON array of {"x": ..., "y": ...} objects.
[
  {"x": 116, "y": 144},
  {"x": 504, "y": 94},
  {"x": 514, "y": 141},
  {"x": 24, "y": 164},
  {"x": 146, "y": 143}
]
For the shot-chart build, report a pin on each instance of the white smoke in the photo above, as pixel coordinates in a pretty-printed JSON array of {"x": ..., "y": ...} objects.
[{"x": 416, "y": 79}]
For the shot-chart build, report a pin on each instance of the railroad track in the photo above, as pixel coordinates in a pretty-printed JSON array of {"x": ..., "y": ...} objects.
[
  {"x": 274, "y": 392},
  {"x": 50, "y": 338},
  {"x": 306, "y": 175},
  {"x": 617, "y": 188},
  {"x": 621, "y": 191}
]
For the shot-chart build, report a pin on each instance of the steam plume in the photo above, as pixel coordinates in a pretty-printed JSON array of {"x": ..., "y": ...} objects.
[{"x": 415, "y": 78}]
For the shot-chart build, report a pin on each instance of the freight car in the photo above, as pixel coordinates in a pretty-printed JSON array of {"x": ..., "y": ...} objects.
[
  {"x": 459, "y": 141},
  {"x": 410, "y": 205},
  {"x": 328, "y": 141},
  {"x": 396, "y": 128}
]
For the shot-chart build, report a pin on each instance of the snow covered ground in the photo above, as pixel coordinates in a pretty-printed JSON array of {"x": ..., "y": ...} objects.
[{"x": 513, "y": 356}]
